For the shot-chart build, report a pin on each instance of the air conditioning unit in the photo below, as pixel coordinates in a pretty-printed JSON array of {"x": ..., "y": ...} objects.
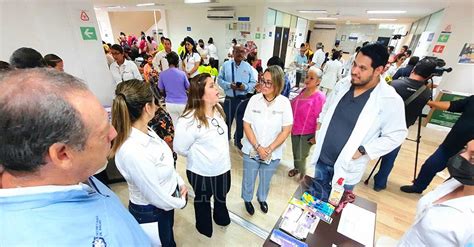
[
  {"x": 220, "y": 14},
  {"x": 327, "y": 26}
]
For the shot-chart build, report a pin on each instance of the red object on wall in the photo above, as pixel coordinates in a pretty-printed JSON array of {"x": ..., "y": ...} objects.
[
  {"x": 84, "y": 16},
  {"x": 438, "y": 48}
]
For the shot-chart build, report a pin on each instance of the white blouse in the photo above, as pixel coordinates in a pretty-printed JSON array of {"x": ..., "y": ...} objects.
[
  {"x": 146, "y": 162},
  {"x": 190, "y": 61},
  {"x": 267, "y": 122},
  {"x": 449, "y": 223},
  {"x": 206, "y": 148}
]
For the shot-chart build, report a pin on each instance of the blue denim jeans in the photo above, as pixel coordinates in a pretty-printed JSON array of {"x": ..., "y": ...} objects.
[
  {"x": 150, "y": 213},
  {"x": 321, "y": 187},
  {"x": 265, "y": 173},
  {"x": 386, "y": 167}
]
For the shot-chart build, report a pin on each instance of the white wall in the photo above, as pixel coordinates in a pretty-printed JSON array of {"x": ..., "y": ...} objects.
[
  {"x": 53, "y": 27},
  {"x": 203, "y": 28},
  {"x": 461, "y": 19},
  {"x": 104, "y": 25},
  {"x": 325, "y": 36}
]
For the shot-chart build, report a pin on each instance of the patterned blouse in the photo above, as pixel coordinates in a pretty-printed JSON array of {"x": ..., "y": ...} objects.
[{"x": 163, "y": 126}]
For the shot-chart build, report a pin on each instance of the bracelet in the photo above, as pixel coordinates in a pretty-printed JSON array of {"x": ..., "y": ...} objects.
[{"x": 256, "y": 146}]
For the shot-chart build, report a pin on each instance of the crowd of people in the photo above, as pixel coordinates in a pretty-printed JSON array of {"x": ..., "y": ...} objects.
[{"x": 350, "y": 120}]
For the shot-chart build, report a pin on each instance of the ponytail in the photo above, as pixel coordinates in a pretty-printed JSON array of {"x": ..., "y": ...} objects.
[{"x": 121, "y": 122}]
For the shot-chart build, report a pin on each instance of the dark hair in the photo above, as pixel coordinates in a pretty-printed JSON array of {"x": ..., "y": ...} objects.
[
  {"x": 413, "y": 60},
  {"x": 166, "y": 39},
  {"x": 357, "y": 49},
  {"x": 145, "y": 57},
  {"x": 335, "y": 55},
  {"x": 275, "y": 60},
  {"x": 425, "y": 67},
  {"x": 406, "y": 47},
  {"x": 377, "y": 53},
  {"x": 25, "y": 57},
  {"x": 191, "y": 41},
  {"x": 162, "y": 38},
  {"x": 259, "y": 69},
  {"x": 210, "y": 41},
  {"x": 200, "y": 41},
  {"x": 34, "y": 119},
  {"x": 182, "y": 43},
  {"x": 251, "y": 58},
  {"x": 365, "y": 43},
  {"x": 122, "y": 33},
  {"x": 148, "y": 38},
  {"x": 117, "y": 47},
  {"x": 409, "y": 52},
  {"x": 52, "y": 60},
  {"x": 4, "y": 66},
  {"x": 391, "y": 48},
  {"x": 130, "y": 98},
  {"x": 234, "y": 41},
  {"x": 172, "y": 58},
  {"x": 302, "y": 45},
  {"x": 195, "y": 105}
]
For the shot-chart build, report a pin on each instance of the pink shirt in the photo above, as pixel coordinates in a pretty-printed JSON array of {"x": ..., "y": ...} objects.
[{"x": 306, "y": 112}]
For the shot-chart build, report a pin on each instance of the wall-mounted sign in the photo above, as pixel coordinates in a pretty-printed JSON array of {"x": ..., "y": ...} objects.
[
  {"x": 243, "y": 18},
  {"x": 269, "y": 34},
  {"x": 188, "y": 29},
  {"x": 438, "y": 48},
  {"x": 88, "y": 33},
  {"x": 443, "y": 37},
  {"x": 257, "y": 35},
  {"x": 467, "y": 54},
  {"x": 84, "y": 16}
]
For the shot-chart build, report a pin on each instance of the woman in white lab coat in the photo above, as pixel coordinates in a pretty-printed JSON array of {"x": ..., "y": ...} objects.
[
  {"x": 332, "y": 73},
  {"x": 445, "y": 216}
]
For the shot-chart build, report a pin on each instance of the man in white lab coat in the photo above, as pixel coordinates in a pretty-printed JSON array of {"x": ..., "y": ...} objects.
[{"x": 363, "y": 118}]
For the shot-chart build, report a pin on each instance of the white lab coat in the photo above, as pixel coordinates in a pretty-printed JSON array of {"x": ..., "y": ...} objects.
[
  {"x": 332, "y": 72},
  {"x": 449, "y": 223},
  {"x": 380, "y": 128}
]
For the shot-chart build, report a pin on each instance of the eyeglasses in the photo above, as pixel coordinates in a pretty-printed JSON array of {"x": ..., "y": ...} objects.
[
  {"x": 220, "y": 130},
  {"x": 267, "y": 84}
]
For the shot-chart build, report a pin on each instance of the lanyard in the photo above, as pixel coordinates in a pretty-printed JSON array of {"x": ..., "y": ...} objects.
[{"x": 233, "y": 77}]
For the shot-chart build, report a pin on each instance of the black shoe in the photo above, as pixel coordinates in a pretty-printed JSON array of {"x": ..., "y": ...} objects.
[
  {"x": 379, "y": 188},
  {"x": 249, "y": 208},
  {"x": 410, "y": 189},
  {"x": 263, "y": 206}
]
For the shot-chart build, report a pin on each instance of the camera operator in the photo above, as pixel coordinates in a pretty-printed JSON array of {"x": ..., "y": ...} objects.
[
  {"x": 415, "y": 94},
  {"x": 460, "y": 134}
]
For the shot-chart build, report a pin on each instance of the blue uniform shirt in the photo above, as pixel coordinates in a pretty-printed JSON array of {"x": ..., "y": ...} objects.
[
  {"x": 80, "y": 216},
  {"x": 301, "y": 59},
  {"x": 242, "y": 73}
]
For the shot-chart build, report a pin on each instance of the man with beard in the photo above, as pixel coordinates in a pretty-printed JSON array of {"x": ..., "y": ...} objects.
[{"x": 363, "y": 118}]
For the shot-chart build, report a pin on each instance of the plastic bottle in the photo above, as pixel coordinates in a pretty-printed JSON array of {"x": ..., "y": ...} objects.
[{"x": 336, "y": 192}]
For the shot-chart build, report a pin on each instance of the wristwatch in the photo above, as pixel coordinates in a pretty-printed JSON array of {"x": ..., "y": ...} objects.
[{"x": 362, "y": 150}]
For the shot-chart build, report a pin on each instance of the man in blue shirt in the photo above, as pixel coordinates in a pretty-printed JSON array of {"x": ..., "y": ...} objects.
[
  {"x": 300, "y": 61},
  {"x": 54, "y": 137},
  {"x": 237, "y": 80}
]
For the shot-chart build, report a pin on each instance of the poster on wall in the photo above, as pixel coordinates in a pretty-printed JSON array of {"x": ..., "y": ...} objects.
[{"x": 467, "y": 54}]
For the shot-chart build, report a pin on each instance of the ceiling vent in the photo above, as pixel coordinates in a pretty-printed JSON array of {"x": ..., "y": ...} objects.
[{"x": 324, "y": 26}]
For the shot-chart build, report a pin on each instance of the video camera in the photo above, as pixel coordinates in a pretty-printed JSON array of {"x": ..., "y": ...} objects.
[{"x": 439, "y": 69}]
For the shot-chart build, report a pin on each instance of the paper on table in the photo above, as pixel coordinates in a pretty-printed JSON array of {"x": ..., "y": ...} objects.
[{"x": 358, "y": 224}]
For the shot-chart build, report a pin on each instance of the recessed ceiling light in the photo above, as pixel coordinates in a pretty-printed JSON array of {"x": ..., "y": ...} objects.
[
  {"x": 313, "y": 11},
  {"x": 386, "y": 11},
  {"x": 381, "y": 19},
  {"x": 145, "y": 4},
  {"x": 199, "y": 1},
  {"x": 326, "y": 18},
  {"x": 114, "y": 7}
]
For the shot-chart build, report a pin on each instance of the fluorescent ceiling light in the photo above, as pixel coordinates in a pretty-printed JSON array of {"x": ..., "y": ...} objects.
[
  {"x": 313, "y": 11},
  {"x": 114, "y": 7},
  {"x": 199, "y": 1},
  {"x": 381, "y": 19},
  {"x": 145, "y": 4},
  {"x": 326, "y": 18},
  {"x": 386, "y": 11}
]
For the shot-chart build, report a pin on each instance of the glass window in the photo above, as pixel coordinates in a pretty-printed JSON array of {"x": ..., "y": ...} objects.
[{"x": 271, "y": 16}]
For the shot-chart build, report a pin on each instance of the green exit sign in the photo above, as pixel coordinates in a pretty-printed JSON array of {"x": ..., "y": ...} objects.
[{"x": 88, "y": 33}]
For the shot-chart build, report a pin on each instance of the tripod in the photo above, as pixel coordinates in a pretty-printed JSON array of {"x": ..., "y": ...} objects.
[{"x": 417, "y": 140}]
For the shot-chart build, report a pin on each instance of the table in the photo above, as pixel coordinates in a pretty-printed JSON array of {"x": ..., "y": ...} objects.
[{"x": 326, "y": 234}]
